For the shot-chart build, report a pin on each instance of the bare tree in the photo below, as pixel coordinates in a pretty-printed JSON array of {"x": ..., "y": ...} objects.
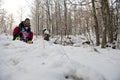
[
  {"x": 20, "y": 13},
  {"x": 10, "y": 21},
  {"x": 36, "y": 16},
  {"x": 2, "y": 20},
  {"x": 65, "y": 16},
  {"x": 106, "y": 21},
  {"x": 96, "y": 24}
]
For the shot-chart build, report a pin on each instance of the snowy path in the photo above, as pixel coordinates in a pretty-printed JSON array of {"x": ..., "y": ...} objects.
[{"x": 46, "y": 61}]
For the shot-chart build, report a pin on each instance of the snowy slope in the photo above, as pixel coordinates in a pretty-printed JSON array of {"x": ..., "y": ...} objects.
[{"x": 47, "y": 61}]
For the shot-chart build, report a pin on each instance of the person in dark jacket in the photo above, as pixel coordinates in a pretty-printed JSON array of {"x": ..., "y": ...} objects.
[{"x": 23, "y": 31}]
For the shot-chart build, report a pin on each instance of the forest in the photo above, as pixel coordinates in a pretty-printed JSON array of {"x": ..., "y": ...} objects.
[
  {"x": 60, "y": 40},
  {"x": 92, "y": 18}
]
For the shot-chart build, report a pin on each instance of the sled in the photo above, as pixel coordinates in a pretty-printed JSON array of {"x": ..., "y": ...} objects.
[
  {"x": 29, "y": 42},
  {"x": 17, "y": 38}
]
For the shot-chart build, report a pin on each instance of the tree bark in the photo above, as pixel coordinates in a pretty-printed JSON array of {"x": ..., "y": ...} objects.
[
  {"x": 96, "y": 24},
  {"x": 105, "y": 21},
  {"x": 65, "y": 15}
]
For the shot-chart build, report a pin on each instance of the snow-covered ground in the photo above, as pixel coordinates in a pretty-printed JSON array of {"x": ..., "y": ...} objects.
[{"x": 47, "y": 61}]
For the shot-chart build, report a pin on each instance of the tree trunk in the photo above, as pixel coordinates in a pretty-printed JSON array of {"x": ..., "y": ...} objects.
[
  {"x": 96, "y": 24},
  {"x": 105, "y": 21},
  {"x": 65, "y": 15}
]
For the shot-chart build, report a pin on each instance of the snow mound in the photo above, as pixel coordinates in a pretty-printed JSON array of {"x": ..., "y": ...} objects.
[{"x": 44, "y": 60}]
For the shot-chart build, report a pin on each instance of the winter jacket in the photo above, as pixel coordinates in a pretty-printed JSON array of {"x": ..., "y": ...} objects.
[{"x": 22, "y": 27}]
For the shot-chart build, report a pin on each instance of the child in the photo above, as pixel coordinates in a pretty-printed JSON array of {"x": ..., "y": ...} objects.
[{"x": 23, "y": 31}]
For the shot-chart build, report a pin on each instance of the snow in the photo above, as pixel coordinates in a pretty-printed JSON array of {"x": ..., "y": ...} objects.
[
  {"x": 47, "y": 61},
  {"x": 46, "y": 32}
]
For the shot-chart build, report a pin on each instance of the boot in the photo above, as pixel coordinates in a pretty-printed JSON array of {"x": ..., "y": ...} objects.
[{"x": 14, "y": 36}]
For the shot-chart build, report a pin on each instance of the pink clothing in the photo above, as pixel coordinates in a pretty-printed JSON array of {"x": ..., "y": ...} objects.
[{"x": 25, "y": 35}]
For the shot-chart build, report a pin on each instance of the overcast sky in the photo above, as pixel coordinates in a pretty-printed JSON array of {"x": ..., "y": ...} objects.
[{"x": 13, "y": 6}]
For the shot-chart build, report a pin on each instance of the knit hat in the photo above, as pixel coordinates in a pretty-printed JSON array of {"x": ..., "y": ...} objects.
[{"x": 27, "y": 19}]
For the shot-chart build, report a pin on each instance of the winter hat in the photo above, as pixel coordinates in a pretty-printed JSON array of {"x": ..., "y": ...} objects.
[{"x": 27, "y": 19}]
